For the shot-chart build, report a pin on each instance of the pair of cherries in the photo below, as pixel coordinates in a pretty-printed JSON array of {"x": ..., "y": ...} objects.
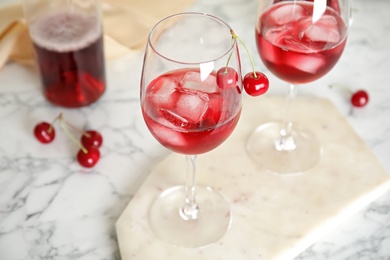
[
  {"x": 89, "y": 143},
  {"x": 255, "y": 83}
]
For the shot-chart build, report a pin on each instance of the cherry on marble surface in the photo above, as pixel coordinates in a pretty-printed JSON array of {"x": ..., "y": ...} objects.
[
  {"x": 359, "y": 98},
  {"x": 88, "y": 157},
  {"x": 44, "y": 132},
  {"x": 91, "y": 138}
]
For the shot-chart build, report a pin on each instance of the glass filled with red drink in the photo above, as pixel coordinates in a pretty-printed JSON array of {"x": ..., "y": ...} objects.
[
  {"x": 68, "y": 40},
  {"x": 299, "y": 41},
  {"x": 191, "y": 99}
]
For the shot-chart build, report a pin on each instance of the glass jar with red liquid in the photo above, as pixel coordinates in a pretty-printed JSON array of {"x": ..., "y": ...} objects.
[{"x": 68, "y": 42}]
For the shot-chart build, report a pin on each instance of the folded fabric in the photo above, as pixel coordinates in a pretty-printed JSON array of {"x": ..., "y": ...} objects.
[{"x": 126, "y": 25}]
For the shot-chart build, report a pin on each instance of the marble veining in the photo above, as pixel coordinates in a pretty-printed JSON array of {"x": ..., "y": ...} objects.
[{"x": 50, "y": 208}]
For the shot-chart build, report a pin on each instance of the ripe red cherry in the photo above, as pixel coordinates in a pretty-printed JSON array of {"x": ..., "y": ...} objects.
[
  {"x": 91, "y": 138},
  {"x": 44, "y": 132},
  {"x": 89, "y": 158},
  {"x": 256, "y": 85},
  {"x": 227, "y": 78},
  {"x": 359, "y": 98}
]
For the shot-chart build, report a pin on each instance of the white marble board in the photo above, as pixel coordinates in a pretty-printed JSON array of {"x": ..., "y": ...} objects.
[{"x": 274, "y": 216}]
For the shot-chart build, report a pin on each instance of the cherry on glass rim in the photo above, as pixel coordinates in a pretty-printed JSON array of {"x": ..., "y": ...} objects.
[
  {"x": 89, "y": 157},
  {"x": 91, "y": 138},
  {"x": 226, "y": 78},
  {"x": 44, "y": 132},
  {"x": 359, "y": 98},
  {"x": 256, "y": 83}
]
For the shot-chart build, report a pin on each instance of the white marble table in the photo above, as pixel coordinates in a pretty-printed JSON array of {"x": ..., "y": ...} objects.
[{"x": 50, "y": 208}]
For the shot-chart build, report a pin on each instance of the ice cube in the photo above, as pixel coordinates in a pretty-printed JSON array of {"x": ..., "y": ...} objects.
[
  {"x": 324, "y": 30},
  {"x": 295, "y": 44},
  {"x": 214, "y": 109},
  {"x": 279, "y": 35},
  {"x": 307, "y": 63},
  {"x": 162, "y": 90},
  {"x": 274, "y": 36},
  {"x": 192, "y": 105},
  {"x": 192, "y": 80},
  {"x": 288, "y": 13},
  {"x": 165, "y": 133},
  {"x": 175, "y": 119}
]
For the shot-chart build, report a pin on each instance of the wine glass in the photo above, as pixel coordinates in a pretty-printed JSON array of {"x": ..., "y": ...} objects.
[
  {"x": 191, "y": 99},
  {"x": 299, "y": 42}
]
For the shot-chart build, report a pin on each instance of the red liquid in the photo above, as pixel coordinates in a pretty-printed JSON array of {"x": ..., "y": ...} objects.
[
  {"x": 188, "y": 116},
  {"x": 71, "y": 62},
  {"x": 296, "y": 50}
]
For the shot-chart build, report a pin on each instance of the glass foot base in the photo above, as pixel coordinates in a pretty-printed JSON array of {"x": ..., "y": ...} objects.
[
  {"x": 211, "y": 224},
  {"x": 298, "y": 154}
]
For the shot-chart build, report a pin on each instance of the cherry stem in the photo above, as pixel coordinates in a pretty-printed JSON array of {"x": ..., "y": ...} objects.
[
  {"x": 52, "y": 123},
  {"x": 230, "y": 56},
  {"x": 82, "y": 132},
  {"x": 247, "y": 51},
  {"x": 63, "y": 126}
]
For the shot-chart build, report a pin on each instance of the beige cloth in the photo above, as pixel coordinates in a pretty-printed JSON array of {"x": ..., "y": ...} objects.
[{"x": 126, "y": 25}]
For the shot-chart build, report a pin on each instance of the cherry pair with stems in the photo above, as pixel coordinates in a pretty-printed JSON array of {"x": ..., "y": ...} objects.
[{"x": 89, "y": 143}]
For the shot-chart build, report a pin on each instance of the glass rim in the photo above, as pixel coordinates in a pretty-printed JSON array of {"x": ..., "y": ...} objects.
[{"x": 234, "y": 40}]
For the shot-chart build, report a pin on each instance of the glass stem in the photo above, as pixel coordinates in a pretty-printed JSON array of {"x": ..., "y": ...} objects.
[
  {"x": 190, "y": 209},
  {"x": 286, "y": 141}
]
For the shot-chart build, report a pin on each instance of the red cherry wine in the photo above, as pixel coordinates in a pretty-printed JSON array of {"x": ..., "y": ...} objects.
[
  {"x": 188, "y": 115},
  {"x": 69, "y": 50},
  {"x": 295, "y": 48}
]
